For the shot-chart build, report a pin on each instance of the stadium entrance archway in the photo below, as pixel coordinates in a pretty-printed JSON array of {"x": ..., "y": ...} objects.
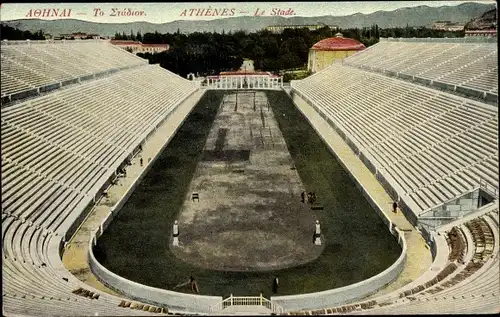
[{"x": 245, "y": 80}]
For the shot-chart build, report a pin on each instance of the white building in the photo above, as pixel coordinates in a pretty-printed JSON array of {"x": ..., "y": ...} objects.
[{"x": 138, "y": 47}]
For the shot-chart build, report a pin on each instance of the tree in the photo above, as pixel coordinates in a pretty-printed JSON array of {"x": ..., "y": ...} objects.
[{"x": 14, "y": 34}]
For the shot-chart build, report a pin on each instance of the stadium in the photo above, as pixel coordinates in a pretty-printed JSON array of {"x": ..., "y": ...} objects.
[{"x": 114, "y": 194}]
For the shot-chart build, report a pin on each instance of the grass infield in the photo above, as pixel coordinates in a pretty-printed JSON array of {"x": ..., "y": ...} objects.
[{"x": 136, "y": 244}]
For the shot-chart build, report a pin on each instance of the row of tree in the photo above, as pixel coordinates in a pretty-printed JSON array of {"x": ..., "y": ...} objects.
[
  {"x": 13, "y": 34},
  {"x": 203, "y": 64},
  {"x": 209, "y": 53}
]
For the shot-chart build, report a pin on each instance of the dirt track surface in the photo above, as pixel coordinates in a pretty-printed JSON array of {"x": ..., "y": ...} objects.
[{"x": 249, "y": 216}]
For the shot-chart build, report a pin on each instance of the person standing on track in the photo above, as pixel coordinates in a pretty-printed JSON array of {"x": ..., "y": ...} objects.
[
  {"x": 192, "y": 283},
  {"x": 394, "y": 207},
  {"x": 275, "y": 285}
]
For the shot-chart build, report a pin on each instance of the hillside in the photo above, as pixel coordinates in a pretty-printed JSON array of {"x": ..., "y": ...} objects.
[
  {"x": 486, "y": 21},
  {"x": 417, "y": 16}
]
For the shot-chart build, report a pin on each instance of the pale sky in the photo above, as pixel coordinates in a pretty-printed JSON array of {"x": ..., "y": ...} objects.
[{"x": 167, "y": 12}]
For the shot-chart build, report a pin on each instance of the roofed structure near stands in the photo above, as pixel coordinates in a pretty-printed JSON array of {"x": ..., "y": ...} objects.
[
  {"x": 139, "y": 47},
  {"x": 338, "y": 43},
  {"x": 311, "y": 27},
  {"x": 125, "y": 42},
  {"x": 243, "y": 73},
  {"x": 325, "y": 52},
  {"x": 76, "y": 36}
]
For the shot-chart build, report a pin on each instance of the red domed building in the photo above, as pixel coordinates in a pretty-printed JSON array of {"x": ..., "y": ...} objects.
[{"x": 326, "y": 51}]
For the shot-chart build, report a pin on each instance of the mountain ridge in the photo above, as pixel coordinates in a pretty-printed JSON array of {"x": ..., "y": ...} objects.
[{"x": 412, "y": 16}]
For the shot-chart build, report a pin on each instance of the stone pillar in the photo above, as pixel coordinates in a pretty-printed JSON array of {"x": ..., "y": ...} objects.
[
  {"x": 317, "y": 234},
  {"x": 313, "y": 68},
  {"x": 176, "y": 234}
]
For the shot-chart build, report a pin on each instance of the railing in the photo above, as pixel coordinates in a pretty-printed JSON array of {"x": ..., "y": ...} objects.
[
  {"x": 246, "y": 301},
  {"x": 468, "y": 39}
]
